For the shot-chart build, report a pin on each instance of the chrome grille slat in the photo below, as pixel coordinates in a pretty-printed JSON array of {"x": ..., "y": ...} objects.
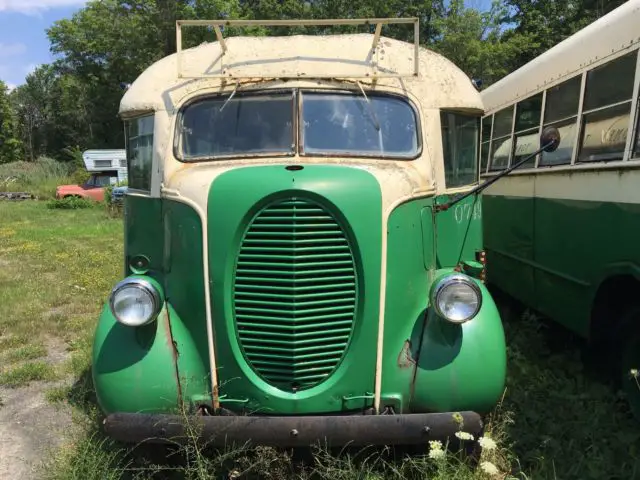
[{"x": 294, "y": 294}]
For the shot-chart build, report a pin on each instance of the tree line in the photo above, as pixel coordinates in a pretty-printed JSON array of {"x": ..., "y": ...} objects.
[{"x": 71, "y": 104}]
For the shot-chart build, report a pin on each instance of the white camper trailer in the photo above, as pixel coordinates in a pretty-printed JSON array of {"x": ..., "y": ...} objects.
[{"x": 112, "y": 162}]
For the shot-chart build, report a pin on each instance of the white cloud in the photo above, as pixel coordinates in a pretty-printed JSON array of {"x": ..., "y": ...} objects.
[
  {"x": 11, "y": 86},
  {"x": 12, "y": 49},
  {"x": 34, "y": 7}
]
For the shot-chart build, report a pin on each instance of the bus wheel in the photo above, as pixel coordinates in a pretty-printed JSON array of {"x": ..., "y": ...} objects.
[{"x": 629, "y": 364}]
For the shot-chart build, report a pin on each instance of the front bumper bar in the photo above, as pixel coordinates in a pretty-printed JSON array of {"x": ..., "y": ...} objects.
[{"x": 300, "y": 431}]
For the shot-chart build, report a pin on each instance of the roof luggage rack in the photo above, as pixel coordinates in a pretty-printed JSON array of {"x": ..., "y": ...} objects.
[{"x": 218, "y": 69}]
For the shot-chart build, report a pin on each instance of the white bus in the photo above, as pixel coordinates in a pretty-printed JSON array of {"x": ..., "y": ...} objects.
[{"x": 562, "y": 231}]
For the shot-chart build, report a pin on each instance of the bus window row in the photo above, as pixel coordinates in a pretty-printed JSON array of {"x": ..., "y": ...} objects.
[{"x": 602, "y": 121}]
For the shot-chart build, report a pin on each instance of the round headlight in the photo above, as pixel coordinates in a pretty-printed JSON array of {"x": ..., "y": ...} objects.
[
  {"x": 134, "y": 302},
  {"x": 456, "y": 298}
]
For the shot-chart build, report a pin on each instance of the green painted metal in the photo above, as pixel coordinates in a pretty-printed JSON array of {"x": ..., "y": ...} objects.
[
  {"x": 458, "y": 230},
  {"x": 554, "y": 254},
  {"x": 352, "y": 198},
  {"x": 295, "y": 274},
  {"x": 295, "y": 285},
  {"x": 142, "y": 230},
  {"x": 461, "y": 367},
  {"x": 183, "y": 273},
  {"x": 135, "y": 369},
  {"x": 427, "y": 365}
]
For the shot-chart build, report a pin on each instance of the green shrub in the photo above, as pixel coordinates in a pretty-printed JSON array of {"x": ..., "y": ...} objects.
[{"x": 71, "y": 203}]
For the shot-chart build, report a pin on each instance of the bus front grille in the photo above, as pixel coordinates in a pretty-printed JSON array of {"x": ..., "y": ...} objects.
[{"x": 295, "y": 288}]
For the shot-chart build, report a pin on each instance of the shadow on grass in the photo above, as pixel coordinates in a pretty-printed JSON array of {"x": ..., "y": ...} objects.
[{"x": 570, "y": 422}]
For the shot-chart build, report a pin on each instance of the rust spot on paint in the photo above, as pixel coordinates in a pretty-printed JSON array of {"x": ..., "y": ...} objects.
[
  {"x": 405, "y": 359},
  {"x": 171, "y": 344}
]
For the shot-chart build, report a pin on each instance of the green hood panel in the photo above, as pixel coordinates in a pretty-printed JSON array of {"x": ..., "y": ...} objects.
[{"x": 294, "y": 259}]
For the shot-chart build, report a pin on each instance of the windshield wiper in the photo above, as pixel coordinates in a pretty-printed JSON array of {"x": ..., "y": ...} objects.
[
  {"x": 371, "y": 111},
  {"x": 230, "y": 97}
]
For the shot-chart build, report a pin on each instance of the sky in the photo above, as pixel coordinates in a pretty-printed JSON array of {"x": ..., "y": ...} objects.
[{"x": 23, "y": 39}]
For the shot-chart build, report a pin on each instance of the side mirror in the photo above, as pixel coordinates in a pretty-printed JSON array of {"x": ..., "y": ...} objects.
[{"x": 550, "y": 139}]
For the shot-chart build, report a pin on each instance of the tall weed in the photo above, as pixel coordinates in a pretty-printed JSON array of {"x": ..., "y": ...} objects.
[{"x": 40, "y": 178}]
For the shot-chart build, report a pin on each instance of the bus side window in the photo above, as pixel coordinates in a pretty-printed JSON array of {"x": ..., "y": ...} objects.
[
  {"x": 487, "y": 123},
  {"x": 607, "y": 107},
  {"x": 527, "y": 126},
  {"x": 139, "y": 144},
  {"x": 501, "y": 141},
  {"x": 561, "y": 111},
  {"x": 459, "y": 148}
]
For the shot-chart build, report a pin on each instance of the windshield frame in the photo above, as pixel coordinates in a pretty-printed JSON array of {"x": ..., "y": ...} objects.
[{"x": 297, "y": 150}]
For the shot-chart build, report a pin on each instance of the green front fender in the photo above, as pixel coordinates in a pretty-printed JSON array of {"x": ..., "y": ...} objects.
[
  {"x": 461, "y": 367},
  {"x": 150, "y": 369}
]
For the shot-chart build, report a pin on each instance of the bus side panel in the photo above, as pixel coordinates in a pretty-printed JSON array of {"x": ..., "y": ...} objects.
[
  {"x": 508, "y": 209},
  {"x": 585, "y": 226},
  {"x": 564, "y": 232}
]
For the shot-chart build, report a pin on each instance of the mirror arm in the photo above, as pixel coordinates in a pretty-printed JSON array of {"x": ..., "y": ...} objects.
[{"x": 479, "y": 188}]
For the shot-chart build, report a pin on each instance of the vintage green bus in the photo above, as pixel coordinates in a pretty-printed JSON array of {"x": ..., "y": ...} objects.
[
  {"x": 287, "y": 277},
  {"x": 561, "y": 232}
]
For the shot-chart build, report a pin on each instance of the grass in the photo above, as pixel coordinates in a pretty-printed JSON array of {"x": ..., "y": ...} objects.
[
  {"x": 26, "y": 373},
  {"x": 55, "y": 270},
  {"x": 556, "y": 421}
]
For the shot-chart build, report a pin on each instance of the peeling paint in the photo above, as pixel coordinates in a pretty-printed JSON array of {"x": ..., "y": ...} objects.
[{"x": 405, "y": 359}]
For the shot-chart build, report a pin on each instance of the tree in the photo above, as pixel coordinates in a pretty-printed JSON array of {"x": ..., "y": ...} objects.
[
  {"x": 473, "y": 41},
  {"x": 10, "y": 145},
  {"x": 545, "y": 23}
]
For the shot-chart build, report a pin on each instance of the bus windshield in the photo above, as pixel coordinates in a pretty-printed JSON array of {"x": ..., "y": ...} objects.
[
  {"x": 331, "y": 124},
  {"x": 238, "y": 126},
  {"x": 343, "y": 124}
]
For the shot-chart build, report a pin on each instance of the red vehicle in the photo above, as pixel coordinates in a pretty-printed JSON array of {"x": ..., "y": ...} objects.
[{"x": 93, "y": 189}]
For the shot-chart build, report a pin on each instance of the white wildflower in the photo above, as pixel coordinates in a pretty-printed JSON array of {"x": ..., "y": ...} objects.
[
  {"x": 435, "y": 450},
  {"x": 436, "y": 454},
  {"x": 464, "y": 436},
  {"x": 487, "y": 443},
  {"x": 435, "y": 444},
  {"x": 489, "y": 468},
  {"x": 634, "y": 372}
]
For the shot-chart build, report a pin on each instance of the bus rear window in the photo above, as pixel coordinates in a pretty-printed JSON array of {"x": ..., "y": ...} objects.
[{"x": 348, "y": 124}]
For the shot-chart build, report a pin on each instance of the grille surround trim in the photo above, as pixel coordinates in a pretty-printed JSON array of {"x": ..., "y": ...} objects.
[{"x": 284, "y": 293}]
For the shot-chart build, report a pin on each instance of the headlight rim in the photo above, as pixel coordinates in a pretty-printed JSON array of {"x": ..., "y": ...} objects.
[
  {"x": 455, "y": 278},
  {"x": 148, "y": 287}
]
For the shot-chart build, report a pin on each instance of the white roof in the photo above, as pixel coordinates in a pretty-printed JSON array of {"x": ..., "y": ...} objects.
[
  {"x": 618, "y": 30},
  {"x": 440, "y": 84}
]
